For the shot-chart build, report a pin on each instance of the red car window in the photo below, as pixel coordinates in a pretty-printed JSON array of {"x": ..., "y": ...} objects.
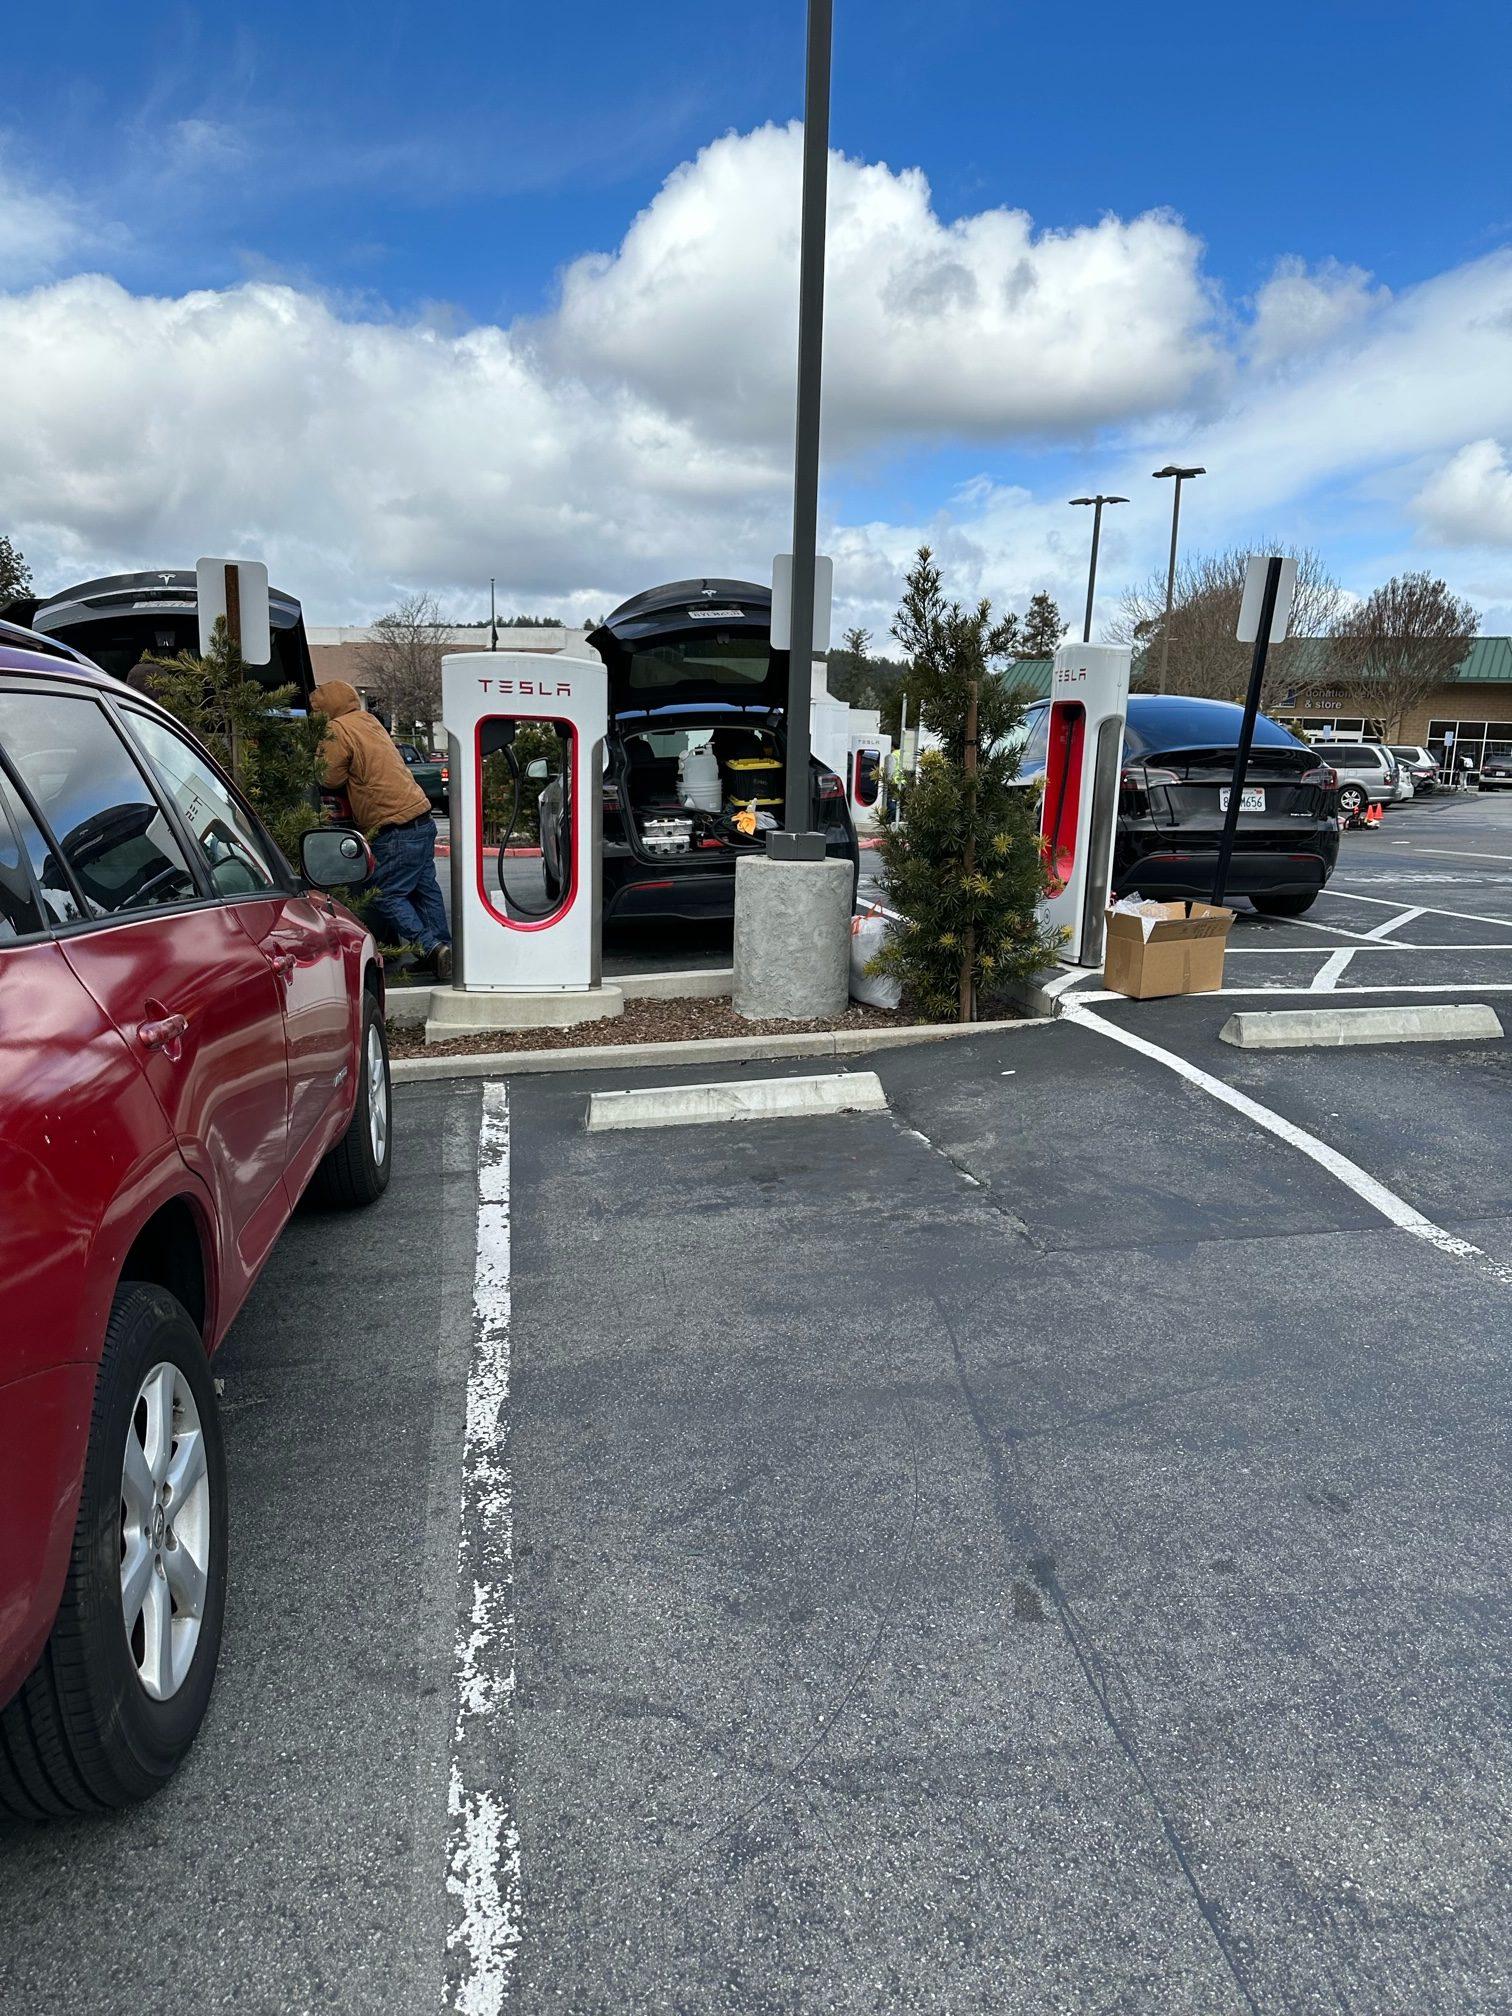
[
  {"x": 227, "y": 838},
  {"x": 20, "y": 916},
  {"x": 102, "y": 817}
]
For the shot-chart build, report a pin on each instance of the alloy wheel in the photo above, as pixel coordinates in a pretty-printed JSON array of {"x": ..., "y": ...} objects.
[
  {"x": 377, "y": 1090},
  {"x": 165, "y": 1531}
]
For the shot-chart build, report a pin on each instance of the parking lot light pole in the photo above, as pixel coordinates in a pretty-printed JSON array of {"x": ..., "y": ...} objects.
[
  {"x": 1098, "y": 503},
  {"x": 794, "y": 840},
  {"x": 1182, "y": 476}
]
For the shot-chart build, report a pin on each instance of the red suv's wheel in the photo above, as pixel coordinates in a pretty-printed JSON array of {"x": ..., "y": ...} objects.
[
  {"x": 357, "y": 1169},
  {"x": 121, "y": 1688}
]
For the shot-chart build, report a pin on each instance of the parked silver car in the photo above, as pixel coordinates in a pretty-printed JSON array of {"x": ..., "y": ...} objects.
[{"x": 1368, "y": 774}]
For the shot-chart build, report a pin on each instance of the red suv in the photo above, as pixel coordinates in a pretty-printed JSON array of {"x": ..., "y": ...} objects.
[{"x": 191, "y": 1036}]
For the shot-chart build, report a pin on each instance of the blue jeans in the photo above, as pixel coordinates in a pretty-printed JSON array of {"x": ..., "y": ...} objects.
[{"x": 407, "y": 907}]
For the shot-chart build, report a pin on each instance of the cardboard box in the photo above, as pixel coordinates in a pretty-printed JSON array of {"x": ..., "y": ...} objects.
[{"x": 1181, "y": 952}]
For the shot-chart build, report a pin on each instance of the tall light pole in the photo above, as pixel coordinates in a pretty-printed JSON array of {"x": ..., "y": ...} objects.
[
  {"x": 493, "y": 618},
  {"x": 794, "y": 840},
  {"x": 1098, "y": 502},
  {"x": 1182, "y": 476}
]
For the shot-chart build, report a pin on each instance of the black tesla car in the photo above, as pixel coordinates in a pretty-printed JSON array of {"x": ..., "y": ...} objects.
[
  {"x": 695, "y": 692},
  {"x": 1178, "y": 759}
]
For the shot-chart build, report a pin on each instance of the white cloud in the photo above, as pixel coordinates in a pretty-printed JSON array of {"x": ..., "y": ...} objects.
[
  {"x": 1469, "y": 501},
  {"x": 1298, "y": 311},
  {"x": 979, "y": 327},
  {"x": 643, "y": 430},
  {"x": 353, "y": 455},
  {"x": 38, "y": 229}
]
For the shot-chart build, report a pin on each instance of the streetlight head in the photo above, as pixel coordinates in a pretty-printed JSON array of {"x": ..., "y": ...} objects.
[
  {"x": 1115, "y": 500},
  {"x": 1083, "y": 500},
  {"x": 1171, "y": 469}
]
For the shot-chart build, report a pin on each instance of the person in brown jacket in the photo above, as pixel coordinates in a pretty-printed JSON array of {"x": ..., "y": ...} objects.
[{"x": 361, "y": 760}]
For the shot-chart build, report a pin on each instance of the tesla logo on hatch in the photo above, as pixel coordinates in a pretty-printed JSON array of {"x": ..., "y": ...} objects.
[{"x": 533, "y": 689}]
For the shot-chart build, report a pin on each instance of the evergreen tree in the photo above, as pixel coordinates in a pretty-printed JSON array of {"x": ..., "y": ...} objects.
[
  {"x": 15, "y": 575},
  {"x": 273, "y": 754},
  {"x": 1042, "y": 628},
  {"x": 961, "y": 858}
]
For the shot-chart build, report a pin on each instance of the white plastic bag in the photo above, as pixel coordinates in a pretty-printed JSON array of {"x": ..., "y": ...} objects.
[{"x": 869, "y": 929}]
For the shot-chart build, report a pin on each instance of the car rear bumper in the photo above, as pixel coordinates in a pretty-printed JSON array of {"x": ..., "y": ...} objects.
[
  {"x": 1183, "y": 865},
  {"x": 634, "y": 888}
]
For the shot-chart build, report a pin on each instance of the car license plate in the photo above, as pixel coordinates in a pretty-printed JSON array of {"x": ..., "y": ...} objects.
[{"x": 1252, "y": 799}]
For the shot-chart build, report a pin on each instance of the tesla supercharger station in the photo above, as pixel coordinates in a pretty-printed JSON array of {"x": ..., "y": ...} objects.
[
  {"x": 498, "y": 945},
  {"x": 1089, "y": 697},
  {"x": 866, "y": 777}
]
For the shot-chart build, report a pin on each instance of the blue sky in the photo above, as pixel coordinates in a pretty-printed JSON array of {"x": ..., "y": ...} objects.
[{"x": 348, "y": 181}]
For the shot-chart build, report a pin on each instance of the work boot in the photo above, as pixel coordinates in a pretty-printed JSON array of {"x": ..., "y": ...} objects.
[{"x": 444, "y": 964}]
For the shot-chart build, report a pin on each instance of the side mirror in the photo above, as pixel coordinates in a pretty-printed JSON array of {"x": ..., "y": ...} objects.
[
  {"x": 539, "y": 771},
  {"x": 335, "y": 857}
]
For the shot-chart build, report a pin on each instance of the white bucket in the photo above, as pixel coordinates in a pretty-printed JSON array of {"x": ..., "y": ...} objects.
[{"x": 698, "y": 778}]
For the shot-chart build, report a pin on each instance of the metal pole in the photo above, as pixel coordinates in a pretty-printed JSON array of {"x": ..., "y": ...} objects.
[
  {"x": 1165, "y": 631},
  {"x": 493, "y": 618},
  {"x": 1247, "y": 727},
  {"x": 795, "y": 841},
  {"x": 1097, "y": 504}
]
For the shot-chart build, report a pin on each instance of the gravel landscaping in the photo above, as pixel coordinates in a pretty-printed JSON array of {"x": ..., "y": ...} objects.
[{"x": 684, "y": 1019}]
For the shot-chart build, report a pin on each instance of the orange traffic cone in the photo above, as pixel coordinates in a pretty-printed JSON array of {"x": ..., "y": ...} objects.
[{"x": 1374, "y": 815}]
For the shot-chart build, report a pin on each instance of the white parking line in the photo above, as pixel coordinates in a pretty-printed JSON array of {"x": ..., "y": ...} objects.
[
  {"x": 1322, "y": 951},
  {"x": 1394, "y": 1209},
  {"x": 1459, "y": 853},
  {"x": 483, "y": 1844},
  {"x": 1394, "y": 923},
  {"x": 1332, "y": 967},
  {"x": 1428, "y": 909},
  {"x": 1333, "y": 930}
]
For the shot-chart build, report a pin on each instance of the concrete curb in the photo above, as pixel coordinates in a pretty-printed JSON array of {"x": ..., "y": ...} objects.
[
  {"x": 702, "y": 1050},
  {"x": 1042, "y": 992},
  {"x": 1334, "y": 1028},
  {"x": 758, "y": 1099},
  {"x": 408, "y": 1007}
]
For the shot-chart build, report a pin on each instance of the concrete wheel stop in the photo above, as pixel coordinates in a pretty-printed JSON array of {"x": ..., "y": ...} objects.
[
  {"x": 457, "y": 1011},
  {"x": 1334, "y": 1028}
]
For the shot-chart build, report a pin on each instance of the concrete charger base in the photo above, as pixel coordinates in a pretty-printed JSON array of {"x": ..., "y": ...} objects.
[
  {"x": 457, "y": 1011},
  {"x": 792, "y": 938}
]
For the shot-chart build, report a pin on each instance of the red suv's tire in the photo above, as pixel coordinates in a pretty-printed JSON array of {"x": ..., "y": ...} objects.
[
  {"x": 85, "y": 1732},
  {"x": 357, "y": 1169}
]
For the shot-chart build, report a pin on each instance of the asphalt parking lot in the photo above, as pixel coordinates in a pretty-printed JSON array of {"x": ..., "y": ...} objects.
[{"x": 1040, "y": 1548}]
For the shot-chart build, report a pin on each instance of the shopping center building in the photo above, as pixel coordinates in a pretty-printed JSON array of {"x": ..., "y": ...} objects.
[{"x": 1474, "y": 704}]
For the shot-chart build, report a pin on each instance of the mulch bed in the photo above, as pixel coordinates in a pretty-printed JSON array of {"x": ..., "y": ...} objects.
[{"x": 682, "y": 1020}]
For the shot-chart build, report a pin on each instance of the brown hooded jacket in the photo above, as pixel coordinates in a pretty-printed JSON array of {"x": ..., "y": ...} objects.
[{"x": 360, "y": 759}]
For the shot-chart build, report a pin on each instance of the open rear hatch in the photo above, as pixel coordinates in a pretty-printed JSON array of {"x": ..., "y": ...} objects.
[{"x": 692, "y": 643}]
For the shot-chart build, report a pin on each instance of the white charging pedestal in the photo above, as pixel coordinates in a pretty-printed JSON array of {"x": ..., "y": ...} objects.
[
  {"x": 1089, "y": 698},
  {"x": 513, "y": 969}
]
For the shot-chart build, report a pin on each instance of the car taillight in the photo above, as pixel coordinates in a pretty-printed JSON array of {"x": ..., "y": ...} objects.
[
  {"x": 1323, "y": 777},
  {"x": 1134, "y": 786},
  {"x": 831, "y": 786},
  {"x": 445, "y": 774}
]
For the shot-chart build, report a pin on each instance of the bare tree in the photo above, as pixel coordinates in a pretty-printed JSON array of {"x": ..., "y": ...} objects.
[
  {"x": 1206, "y": 658},
  {"x": 401, "y": 665},
  {"x": 1399, "y": 646}
]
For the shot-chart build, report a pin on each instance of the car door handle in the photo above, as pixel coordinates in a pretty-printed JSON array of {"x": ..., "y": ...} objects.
[
  {"x": 283, "y": 964},
  {"x": 166, "y": 1034}
]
